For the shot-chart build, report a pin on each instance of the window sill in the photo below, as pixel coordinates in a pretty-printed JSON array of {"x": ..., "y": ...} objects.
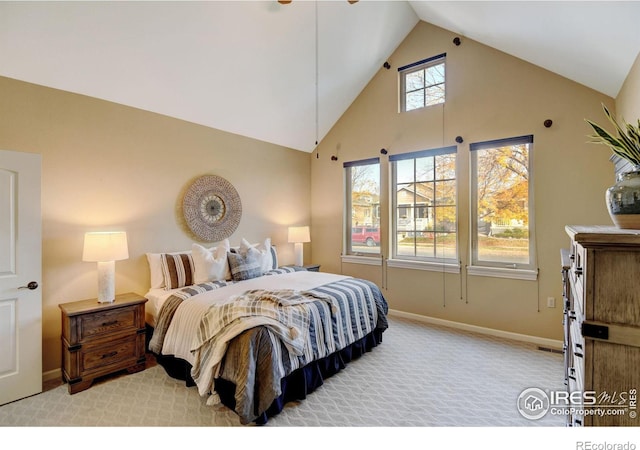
[
  {"x": 424, "y": 265},
  {"x": 373, "y": 260},
  {"x": 503, "y": 272}
]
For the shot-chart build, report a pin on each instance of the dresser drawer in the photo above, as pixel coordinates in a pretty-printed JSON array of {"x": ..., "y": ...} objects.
[
  {"x": 575, "y": 418},
  {"x": 577, "y": 306},
  {"x": 107, "y": 323},
  {"x": 113, "y": 353},
  {"x": 577, "y": 353},
  {"x": 576, "y": 279},
  {"x": 567, "y": 295}
]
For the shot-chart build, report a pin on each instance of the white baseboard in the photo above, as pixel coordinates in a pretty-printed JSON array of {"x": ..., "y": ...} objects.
[{"x": 542, "y": 342}]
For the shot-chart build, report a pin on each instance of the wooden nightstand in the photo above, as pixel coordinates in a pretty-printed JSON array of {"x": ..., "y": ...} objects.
[{"x": 102, "y": 338}]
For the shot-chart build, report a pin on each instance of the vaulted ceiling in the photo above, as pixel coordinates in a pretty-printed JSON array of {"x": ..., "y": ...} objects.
[{"x": 251, "y": 67}]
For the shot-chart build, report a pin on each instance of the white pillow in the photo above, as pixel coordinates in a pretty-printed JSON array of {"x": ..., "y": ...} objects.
[
  {"x": 262, "y": 252},
  {"x": 274, "y": 257},
  {"x": 155, "y": 268},
  {"x": 210, "y": 264}
]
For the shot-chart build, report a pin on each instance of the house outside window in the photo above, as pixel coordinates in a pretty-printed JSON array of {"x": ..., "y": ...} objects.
[
  {"x": 362, "y": 218},
  {"x": 502, "y": 204},
  {"x": 422, "y": 83},
  {"x": 424, "y": 205}
]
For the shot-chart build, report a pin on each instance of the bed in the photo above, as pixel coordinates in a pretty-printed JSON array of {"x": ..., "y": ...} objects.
[{"x": 255, "y": 342}]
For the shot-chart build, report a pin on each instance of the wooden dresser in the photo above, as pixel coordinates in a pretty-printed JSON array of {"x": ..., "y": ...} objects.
[
  {"x": 601, "y": 276},
  {"x": 102, "y": 338}
]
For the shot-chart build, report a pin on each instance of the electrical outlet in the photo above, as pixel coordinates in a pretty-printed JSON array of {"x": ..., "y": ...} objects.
[{"x": 551, "y": 302}]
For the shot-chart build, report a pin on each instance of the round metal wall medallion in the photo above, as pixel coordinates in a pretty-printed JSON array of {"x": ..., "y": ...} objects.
[{"x": 212, "y": 208}]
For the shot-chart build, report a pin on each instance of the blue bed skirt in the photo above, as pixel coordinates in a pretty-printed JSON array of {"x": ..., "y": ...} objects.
[{"x": 295, "y": 386}]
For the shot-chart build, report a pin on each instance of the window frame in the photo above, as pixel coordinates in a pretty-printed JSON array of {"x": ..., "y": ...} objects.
[
  {"x": 502, "y": 269},
  {"x": 415, "y": 67},
  {"x": 415, "y": 261},
  {"x": 348, "y": 254}
]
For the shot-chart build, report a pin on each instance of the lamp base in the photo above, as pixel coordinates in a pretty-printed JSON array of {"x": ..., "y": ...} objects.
[
  {"x": 299, "y": 255},
  {"x": 106, "y": 281}
]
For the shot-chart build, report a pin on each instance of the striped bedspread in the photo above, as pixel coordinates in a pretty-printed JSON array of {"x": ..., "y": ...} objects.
[{"x": 256, "y": 357}]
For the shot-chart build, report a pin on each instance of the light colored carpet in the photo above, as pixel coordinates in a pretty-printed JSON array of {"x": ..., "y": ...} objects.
[{"x": 420, "y": 376}]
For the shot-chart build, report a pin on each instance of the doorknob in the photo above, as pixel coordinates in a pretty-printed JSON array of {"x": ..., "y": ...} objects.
[{"x": 31, "y": 286}]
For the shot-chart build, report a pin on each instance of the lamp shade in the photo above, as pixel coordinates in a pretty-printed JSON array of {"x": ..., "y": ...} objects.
[
  {"x": 299, "y": 234},
  {"x": 105, "y": 246}
]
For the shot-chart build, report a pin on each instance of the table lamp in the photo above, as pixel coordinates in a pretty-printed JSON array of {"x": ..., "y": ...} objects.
[
  {"x": 299, "y": 235},
  {"x": 105, "y": 248}
]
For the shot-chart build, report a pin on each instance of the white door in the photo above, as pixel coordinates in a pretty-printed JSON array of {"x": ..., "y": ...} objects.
[{"x": 20, "y": 272}]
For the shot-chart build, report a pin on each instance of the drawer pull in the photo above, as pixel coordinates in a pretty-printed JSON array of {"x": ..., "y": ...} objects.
[
  {"x": 595, "y": 331},
  {"x": 578, "y": 271},
  {"x": 578, "y": 354},
  {"x": 108, "y": 324},
  {"x": 109, "y": 355}
]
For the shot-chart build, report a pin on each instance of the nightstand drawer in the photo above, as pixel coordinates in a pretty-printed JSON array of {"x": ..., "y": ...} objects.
[
  {"x": 115, "y": 352},
  {"x": 107, "y": 322}
]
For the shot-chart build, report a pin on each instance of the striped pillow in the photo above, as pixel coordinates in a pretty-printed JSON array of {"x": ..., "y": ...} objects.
[
  {"x": 244, "y": 267},
  {"x": 177, "y": 270}
]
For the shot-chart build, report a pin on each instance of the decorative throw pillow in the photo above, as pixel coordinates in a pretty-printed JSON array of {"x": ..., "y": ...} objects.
[
  {"x": 262, "y": 252},
  {"x": 177, "y": 270},
  {"x": 155, "y": 268},
  {"x": 244, "y": 267},
  {"x": 210, "y": 264}
]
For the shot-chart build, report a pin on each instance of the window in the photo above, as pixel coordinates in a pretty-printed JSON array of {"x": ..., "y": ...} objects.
[
  {"x": 424, "y": 205},
  {"x": 363, "y": 207},
  {"x": 501, "y": 184},
  {"x": 422, "y": 83}
]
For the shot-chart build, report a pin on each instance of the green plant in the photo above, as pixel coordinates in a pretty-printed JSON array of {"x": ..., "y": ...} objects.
[{"x": 626, "y": 145}]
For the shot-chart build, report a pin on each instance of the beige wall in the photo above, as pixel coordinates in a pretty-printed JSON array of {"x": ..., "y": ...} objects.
[
  {"x": 110, "y": 167},
  {"x": 490, "y": 95},
  {"x": 628, "y": 99}
]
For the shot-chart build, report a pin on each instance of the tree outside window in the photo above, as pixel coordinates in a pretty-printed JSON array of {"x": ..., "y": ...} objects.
[
  {"x": 422, "y": 83},
  {"x": 502, "y": 226}
]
